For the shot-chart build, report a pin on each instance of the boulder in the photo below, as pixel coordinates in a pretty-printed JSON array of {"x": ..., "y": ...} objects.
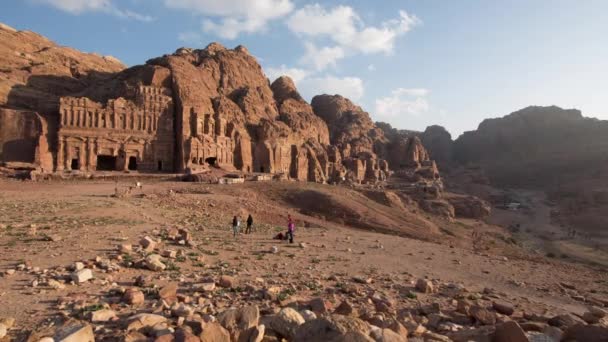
[
  {"x": 214, "y": 332},
  {"x": 227, "y": 281},
  {"x": 503, "y": 308},
  {"x": 74, "y": 331},
  {"x": 82, "y": 276},
  {"x": 509, "y": 332},
  {"x": 144, "y": 320},
  {"x": 240, "y": 321},
  {"x": 286, "y": 322},
  {"x": 103, "y": 315},
  {"x": 133, "y": 297},
  {"x": 588, "y": 333},
  {"x": 424, "y": 286},
  {"x": 154, "y": 263},
  {"x": 333, "y": 328},
  {"x": 483, "y": 315}
]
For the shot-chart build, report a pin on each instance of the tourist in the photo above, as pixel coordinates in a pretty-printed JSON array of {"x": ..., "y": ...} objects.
[
  {"x": 290, "y": 228},
  {"x": 235, "y": 225},
  {"x": 249, "y": 224}
]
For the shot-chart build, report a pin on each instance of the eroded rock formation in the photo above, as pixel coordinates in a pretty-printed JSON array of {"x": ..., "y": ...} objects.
[{"x": 186, "y": 112}]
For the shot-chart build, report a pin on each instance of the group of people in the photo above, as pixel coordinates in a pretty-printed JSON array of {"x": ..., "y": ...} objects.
[
  {"x": 236, "y": 225},
  {"x": 289, "y": 235}
]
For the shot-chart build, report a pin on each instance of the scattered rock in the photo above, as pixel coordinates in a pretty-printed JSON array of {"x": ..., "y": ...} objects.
[
  {"x": 564, "y": 321},
  {"x": 74, "y": 331},
  {"x": 148, "y": 244},
  {"x": 103, "y": 316},
  {"x": 503, "y": 308},
  {"x": 154, "y": 263},
  {"x": 333, "y": 328},
  {"x": 227, "y": 281},
  {"x": 168, "y": 293},
  {"x": 142, "y": 320},
  {"x": 82, "y": 275},
  {"x": 214, "y": 332},
  {"x": 286, "y": 322},
  {"x": 483, "y": 315},
  {"x": 509, "y": 332},
  {"x": 134, "y": 297},
  {"x": 424, "y": 286},
  {"x": 581, "y": 332}
]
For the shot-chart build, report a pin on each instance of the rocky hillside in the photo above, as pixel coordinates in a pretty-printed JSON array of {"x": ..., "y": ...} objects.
[
  {"x": 34, "y": 71},
  {"x": 537, "y": 147}
]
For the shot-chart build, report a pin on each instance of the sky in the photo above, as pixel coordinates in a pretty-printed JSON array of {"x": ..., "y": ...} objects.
[{"x": 411, "y": 63}]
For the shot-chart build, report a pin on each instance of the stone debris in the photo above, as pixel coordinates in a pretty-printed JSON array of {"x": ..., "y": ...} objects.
[{"x": 82, "y": 275}]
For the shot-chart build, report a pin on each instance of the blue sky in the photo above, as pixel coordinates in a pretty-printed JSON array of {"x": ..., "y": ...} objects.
[{"x": 412, "y": 63}]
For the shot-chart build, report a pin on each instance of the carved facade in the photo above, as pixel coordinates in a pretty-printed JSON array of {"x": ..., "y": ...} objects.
[{"x": 122, "y": 135}]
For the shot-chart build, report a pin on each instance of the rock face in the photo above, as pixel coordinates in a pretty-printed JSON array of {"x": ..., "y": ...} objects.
[
  {"x": 34, "y": 74},
  {"x": 439, "y": 143},
  {"x": 536, "y": 146},
  {"x": 184, "y": 112},
  {"x": 359, "y": 142}
]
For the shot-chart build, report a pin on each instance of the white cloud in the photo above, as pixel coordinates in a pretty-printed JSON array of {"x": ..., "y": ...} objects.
[
  {"x": 233, "y": 17},
  {"x": 190, "y": 37},
  {"x": 343, "y": 25},
  {"x": 294, "y": 73},
  {"x": 321, "y": 58},
  {"x": 349, "y": 87},
  {"x": 77, "y": 7},
  {"x": 403, "y": 101}
]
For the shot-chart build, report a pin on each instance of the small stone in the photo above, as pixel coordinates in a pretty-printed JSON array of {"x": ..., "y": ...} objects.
[
  {"x": 503, "y": 308},
  {"x": 148, "y": 244},
  {"x": 345, "y": 308},
  {"x": 170, "y": 253},
  {"x": 590, "y": 318},
  {"x": 564, "y": 321},
  {"x": 214, "y": 332},
  {"x": 143, "y": 320},
  {"x": 424, "y": 286},
  {"x": 74, "y": 331},
  {"x": 154, "y": 263},
  {"x": 227, "y": 281},
  {"x": 308, "y": 315},
  {"x": 55, "y": 284},
  {"x": 78, "y": 266},
  {"x": 134, "y": 296},
  {"x": 286, "y": 322},
  {"x": 274, "y": 249},
  {"x": 103, "y": 316},
  {"x": 509, "y": 332},
  {"x": 82, "y": 276},
  {"x": 168, "y": 293},
  {"x": 303, "y": 245},
  {"x": 125, "y": 248},
  {"x": 363, "y": 280},
  {"x": 206, "y": 287},
  {"x": 3, "y": 330},
  {"x": 483, "y": 315}
]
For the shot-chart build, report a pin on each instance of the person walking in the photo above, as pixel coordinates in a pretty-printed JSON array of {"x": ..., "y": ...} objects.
[
  {"x": 249, "y": 224},
  {"x": 235, "y": 226},
  {"x": 291, "y": 227}
]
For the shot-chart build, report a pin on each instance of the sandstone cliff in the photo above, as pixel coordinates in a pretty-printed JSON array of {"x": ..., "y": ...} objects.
[
  {"x": 537, "y": 147},
  {"x": 185, "y": 112}
]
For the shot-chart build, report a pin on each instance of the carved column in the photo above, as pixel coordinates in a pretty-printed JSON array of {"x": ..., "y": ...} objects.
[{"x": 60, "y": 154}]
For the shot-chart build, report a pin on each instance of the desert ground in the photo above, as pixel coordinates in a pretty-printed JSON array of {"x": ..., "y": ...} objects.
[{"x": 48, "y": 226}]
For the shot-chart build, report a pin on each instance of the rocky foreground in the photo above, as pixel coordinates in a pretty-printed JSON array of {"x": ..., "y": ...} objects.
[
  {"x": 191, "y": 281},
  {"x": 217, "y": 305}
]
